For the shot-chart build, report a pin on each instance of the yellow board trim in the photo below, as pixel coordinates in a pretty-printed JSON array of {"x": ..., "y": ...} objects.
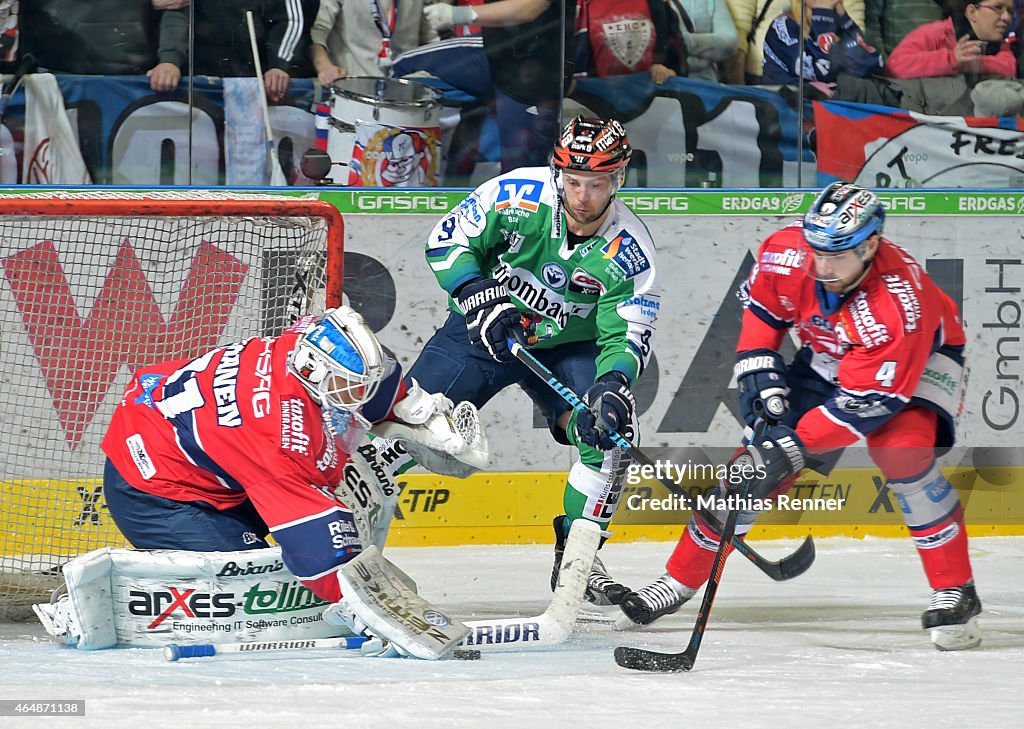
[{"x": 69, "y": 517}]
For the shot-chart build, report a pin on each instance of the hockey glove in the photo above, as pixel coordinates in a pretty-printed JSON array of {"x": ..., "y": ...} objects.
[
  {"x": 761, "y": 378},
  {"x": 611, "y": 408},
  {"x": 491, "y": 317},
  {"x": 766, "y": 462}
]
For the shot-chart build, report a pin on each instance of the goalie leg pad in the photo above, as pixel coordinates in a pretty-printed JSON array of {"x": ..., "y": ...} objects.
[{"x": 375, "y": 595}]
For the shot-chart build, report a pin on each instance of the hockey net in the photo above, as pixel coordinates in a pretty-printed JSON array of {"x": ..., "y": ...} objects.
[{"x": 94, "y": 286}]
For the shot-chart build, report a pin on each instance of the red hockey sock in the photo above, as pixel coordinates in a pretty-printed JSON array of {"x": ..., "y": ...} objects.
[
  {"x": 943, "y": 551},
  {"x": 693, "y": 556}
]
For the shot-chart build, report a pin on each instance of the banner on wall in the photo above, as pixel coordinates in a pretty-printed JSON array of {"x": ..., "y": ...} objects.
[{"x": 877, "y": 146}]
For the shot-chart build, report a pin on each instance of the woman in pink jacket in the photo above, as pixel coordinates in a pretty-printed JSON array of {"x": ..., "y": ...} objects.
[{"x": 969, "y": 42}]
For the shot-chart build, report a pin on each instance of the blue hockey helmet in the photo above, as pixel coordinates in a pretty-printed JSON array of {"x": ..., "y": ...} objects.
[{"x": 843, "y": 217}]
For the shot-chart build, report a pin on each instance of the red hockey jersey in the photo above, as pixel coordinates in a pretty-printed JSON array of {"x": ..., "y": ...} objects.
[
  {"x": 234, "y": 424},
  {"x": 873, "y": 346}
]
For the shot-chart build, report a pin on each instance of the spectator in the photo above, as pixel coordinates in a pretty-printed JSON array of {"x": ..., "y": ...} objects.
[
  {"x": 221, "y": 45},
  {"x": 615, "y": 38},
  {"x": 887, "y": 22},
  {"x": 971, "y": 42},
  {"x": 103, "y": 37},
  {"x": 833, "y": 42},
  {"x": 362, "y": 38},
  {"x": 713, "y": 39},
  {"x": 523, "y": 42},
  {"x": 752, "y": 19}
]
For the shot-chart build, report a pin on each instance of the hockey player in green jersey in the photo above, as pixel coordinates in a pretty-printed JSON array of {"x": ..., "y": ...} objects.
[{"x": 553, "y": 243}]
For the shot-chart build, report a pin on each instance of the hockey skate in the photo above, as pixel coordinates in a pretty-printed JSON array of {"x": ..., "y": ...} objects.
[
  {"x": 952, "y": 618},
  {"x": 662, "y": 597},
  {"x": 602, "y": 590}
]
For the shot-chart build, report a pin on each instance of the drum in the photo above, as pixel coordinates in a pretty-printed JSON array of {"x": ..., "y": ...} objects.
[{"x": 384, "y": 133}]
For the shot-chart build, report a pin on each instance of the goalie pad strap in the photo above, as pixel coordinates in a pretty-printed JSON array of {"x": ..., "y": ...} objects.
[{"x": 375, "y": 594}]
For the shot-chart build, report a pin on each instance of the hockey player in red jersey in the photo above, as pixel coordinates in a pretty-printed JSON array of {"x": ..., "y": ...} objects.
[
  {"x": 252, "y": 438},
  {"x": 881, "y": 360}
]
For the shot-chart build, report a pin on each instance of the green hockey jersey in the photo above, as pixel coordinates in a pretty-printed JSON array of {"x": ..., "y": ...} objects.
[{"x": 512, "y": 228}]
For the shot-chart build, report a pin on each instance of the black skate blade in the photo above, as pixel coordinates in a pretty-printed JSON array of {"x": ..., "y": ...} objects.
[{"x": 639, "y": 659}]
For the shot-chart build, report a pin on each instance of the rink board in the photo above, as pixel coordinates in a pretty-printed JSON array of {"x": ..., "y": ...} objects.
[{"x": 970, "y": 243}]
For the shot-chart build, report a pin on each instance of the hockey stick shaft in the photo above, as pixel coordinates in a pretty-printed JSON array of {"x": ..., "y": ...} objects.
[
  {"x": 176, "y": 652},
  {"x": 785, "y": 569}
]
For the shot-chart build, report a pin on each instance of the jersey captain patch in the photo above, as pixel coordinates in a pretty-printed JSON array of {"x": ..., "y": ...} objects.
[{"x": 626, "y": 253}]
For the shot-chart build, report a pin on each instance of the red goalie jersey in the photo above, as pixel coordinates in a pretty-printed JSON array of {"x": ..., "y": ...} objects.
[
  {"x": 872, "y": 343},
  {"x": 234, "y": 424}
]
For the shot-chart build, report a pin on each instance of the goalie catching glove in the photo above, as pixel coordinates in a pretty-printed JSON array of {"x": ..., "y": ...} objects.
[
  {"x": 443, "y": 439},
  {"x": 491, "y": 317}
]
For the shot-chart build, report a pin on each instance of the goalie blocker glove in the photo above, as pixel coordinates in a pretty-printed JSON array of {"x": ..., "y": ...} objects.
[
  {"x": 611, "y": 408},
  {"x": 491, "y": 317},
  {"x": 761, "y": 379}
]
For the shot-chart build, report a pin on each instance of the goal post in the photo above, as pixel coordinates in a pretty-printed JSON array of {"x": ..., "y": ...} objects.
[{"x": 93, "y": 286}]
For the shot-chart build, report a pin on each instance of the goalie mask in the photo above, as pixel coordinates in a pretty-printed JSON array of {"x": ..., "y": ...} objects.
[{"x": 339, "y": 360}]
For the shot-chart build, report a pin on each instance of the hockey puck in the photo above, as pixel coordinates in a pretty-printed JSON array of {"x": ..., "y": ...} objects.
[{"x": 466, "y": 655}]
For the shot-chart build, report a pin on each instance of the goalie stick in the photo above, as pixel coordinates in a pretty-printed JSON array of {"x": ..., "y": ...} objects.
[
  {"x": 786, "y": 568},
  {"x": 175, "y": 652},
  {"x": 550, "y": 628}
]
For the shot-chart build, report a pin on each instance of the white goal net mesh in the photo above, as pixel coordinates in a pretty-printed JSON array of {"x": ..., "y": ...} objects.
[{"x": 93, "y": 287}]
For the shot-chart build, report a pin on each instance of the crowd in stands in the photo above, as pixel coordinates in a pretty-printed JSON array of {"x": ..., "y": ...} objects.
[{"x": 522, "y": 56}]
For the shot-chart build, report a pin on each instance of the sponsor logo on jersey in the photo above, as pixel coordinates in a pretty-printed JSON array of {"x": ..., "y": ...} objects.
[
  {"x": 554, "y": 275},
  {"x": 581, "y": 282},
  {"x": 329, "y": 459},
  {"x": 649, "y": 308},
  {"x": 514, "y": 240},
  {"x": 519, "y": 195},
  {"x": 909, "y": 304},
  {"x": 261, "y": 392},
  {"x": 148, "y": 383},
  {"x": 626, "y": 253},
  {"x": 861, "y": 407},
  {"x": 525, "y": 287},
  {"x": 225, "y": 386},
  {"x": 137, "y": 450},
  {"x": 293, "y": 426},
  {"x": 782, "y": 262},
  {"x": 870, "y": 330}
]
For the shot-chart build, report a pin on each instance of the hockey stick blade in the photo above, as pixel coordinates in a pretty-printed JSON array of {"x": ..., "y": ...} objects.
[
  {"x": 639, "y": 659},
  {"x": 785, "y": 569},
  {"x": 555, "y": 624}
]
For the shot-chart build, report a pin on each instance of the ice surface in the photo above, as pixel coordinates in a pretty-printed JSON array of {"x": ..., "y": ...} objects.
[{"x": 840, "y": 646}]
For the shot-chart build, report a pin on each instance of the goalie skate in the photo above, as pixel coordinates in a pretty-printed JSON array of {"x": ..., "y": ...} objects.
[{"x": 952, "y": 618}]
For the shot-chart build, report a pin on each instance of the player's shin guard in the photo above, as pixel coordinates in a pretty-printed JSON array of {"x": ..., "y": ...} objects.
[
  {"x": 593, "y": 492},
  {"x": 934, "y": 516}
]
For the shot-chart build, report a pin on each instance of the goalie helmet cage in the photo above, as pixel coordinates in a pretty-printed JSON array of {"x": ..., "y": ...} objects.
[{"x": 94, "y": 286}]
